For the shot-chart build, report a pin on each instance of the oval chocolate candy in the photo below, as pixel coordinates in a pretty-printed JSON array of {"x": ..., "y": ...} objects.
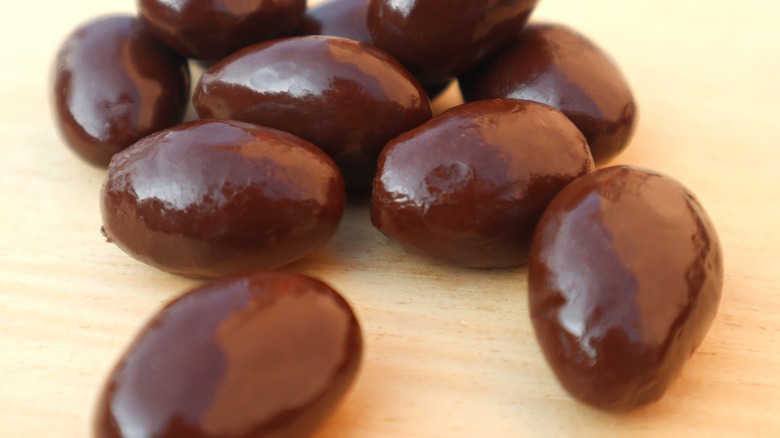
[
  {"x": 262, "y": 355},
  {"x": 468, "y": 187},
  {"x": 555, "y": 65},
  {"x": 214, "y": 197},
  {"x": 625, "y": 278},
  {"x": 212, "y": 29},
  {"x": 115, "y": 84},
  {"x": 438, "y": 39}
]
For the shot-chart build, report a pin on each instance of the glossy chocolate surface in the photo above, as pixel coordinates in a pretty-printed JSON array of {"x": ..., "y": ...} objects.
[
  {"x": 344, "y": 96},
  {"x": 115, "y": 84},
  {"x": 438, "y": 39},
  {"x": 348, "y": 19},
  {"x": 213, "y": 197},
  {"x": 213, "y": 29},
  {"x": 264, "y": 355},
  {"x": 341, "y": 18},
  {"x": 625, "y": 279},
  {"x": 468, "y": 187},
  {"x": 555, "y": 65}
]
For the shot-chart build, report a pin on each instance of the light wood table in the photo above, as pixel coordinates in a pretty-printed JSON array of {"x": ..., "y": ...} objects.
[{"x": 450, "y": 352}]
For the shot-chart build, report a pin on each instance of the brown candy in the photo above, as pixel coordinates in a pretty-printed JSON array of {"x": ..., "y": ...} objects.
[
  {"x": 348, "y": 19},
  {"x": 212, "y": 197},
  {"x": 213, "y": 29},
  {"x": 264, "y": 355},
  {"x": 557, "y": 66},
  {"x": 438, "y": 39},
  {"x": 624, "y": 281},
  {"x": 115, "y": 84},
  {"x": 344, "y": 96},
  {"x": 342, "y": 18},
  {"x": 468, "y": 187}
]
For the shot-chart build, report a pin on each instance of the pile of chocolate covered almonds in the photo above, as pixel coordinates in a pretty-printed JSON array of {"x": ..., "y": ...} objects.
[{"x": 302, "y": 109}]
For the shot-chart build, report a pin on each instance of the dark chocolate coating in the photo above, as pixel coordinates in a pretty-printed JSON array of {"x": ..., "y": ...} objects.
[
  {"x": 555, "y": 65},
  {"x": 348, "y": 19},
  {"x": 438, "y": 39},
  {"x": 346, "y": 97},
  {"x": 212, "y": 29},
  {"x": 625, "y": 278},
  {"x": 341, "y": 18},
  {"x": 468, "y": 187},
  {"x": 214, "y": 197},
  {"x": 115, "y": 84},
  {"x": 263, "y": 355}
]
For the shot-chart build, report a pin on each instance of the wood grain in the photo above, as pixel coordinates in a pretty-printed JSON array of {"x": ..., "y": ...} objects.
[{"x": 450, "y": 352}]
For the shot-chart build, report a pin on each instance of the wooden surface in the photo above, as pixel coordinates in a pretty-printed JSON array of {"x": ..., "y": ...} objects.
[{"x": 450, "y": 352}]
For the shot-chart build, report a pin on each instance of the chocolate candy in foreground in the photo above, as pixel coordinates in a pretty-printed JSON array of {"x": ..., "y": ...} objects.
[
  {"x": 115, "y": 84},
  {"x": 213, "y": 197},
  {"x": 346, "y": 97},
  {"x": 263, "y": 355},
  {"x": 212, "y": 29},
  {"x": 555, "y": 65},
  {"x": 625, "y": 279},
  {"x": 438, "y": 39},
  {"x": 468, "y": 187}
]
